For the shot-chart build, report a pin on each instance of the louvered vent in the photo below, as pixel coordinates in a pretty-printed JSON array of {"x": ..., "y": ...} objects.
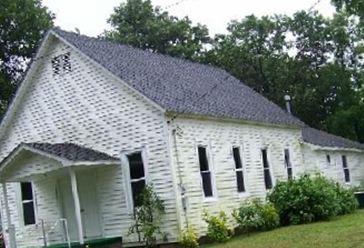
[{"x": 61, "y": 64}]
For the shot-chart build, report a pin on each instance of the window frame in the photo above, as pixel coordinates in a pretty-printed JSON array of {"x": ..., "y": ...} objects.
[
  {"x": 288, "y": 165},
  {"x": 265, "y": 168},
  {"x": 21, "y": 203},
  {"x": 242, "y": 169},
  {"x": 214, "y": 196},
  {"x": 345, "y": 168},
  {"x": 328, "y": 159},
  {"x": 125, "y": 168}
]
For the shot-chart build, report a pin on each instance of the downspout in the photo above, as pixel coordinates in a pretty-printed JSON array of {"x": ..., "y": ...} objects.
[{"x": 178, "y": 132}]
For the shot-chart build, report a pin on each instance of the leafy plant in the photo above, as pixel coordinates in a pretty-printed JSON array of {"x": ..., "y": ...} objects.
[
  {"x": 256, "y": 216},
  {"x": 308, "y": 199},
  {"x": 148, "y": 216},
  {"x": 217, "y": 227},
  {"x": 189, "y": 238},
  {"x": 346, "y": 199}
]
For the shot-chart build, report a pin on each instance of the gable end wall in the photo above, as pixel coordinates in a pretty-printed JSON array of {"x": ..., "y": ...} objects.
[{"x": 90, "y": 108}]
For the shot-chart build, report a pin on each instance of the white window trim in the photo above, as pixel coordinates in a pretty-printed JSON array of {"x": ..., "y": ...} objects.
[
  {"x": 271, "y": 173},
  {"x": 290, "y": 161},
  {"x": 347, "y": 168},
  {"x": 214, "y": 196},
  {"x": 125, "y": 168},
  {"x": 243, "y": 169},
  {"x": 21, "y": 202}
]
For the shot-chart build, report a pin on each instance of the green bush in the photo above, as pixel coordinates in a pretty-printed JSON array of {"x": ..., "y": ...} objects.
[
  {"x": 148, "y": 217},
  {"x": 309, "y": 199},
  {"x": 189, "y": 239},
  {"x": 217, "y": 227},
  {"x": 347, "y": 201},
  {"x": 256, "y": 216}
]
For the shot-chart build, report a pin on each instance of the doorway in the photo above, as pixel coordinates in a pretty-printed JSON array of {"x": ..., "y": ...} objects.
[{"x": 88, "y": 203}]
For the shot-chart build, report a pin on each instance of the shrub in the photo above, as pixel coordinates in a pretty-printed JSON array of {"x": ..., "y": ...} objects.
[
  {"x": 308, "y": 199},
  {"x": 346, "y": 199},
  {"x": 217, "y": 227},
  {"x": 148, "y": 216},
  {"x": 189, "y": 238},
  {"x": 256, "y": 216}
]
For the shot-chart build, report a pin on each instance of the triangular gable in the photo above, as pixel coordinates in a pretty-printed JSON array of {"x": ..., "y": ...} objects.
[{"x": 24, "y": 84}]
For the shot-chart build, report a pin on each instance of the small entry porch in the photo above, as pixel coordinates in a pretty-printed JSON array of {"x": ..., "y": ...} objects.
[{"x": 57, "y": 194}]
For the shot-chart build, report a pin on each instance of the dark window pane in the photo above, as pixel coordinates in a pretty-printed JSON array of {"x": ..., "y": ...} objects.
[
  {"x": 267, "y": 179},
  {"x": 26, "y": 191},
  {"x": 28, "y": 212},
  {"x": 137, "y": 189},
  {"x": 289, "y": 173},
  {"x": 345, "y": 163},
  {"x": 240, "y": 181},
  {"x": 136, "y": 165},
  {"x": 347, "y": 175},
  {"x": 202, "y": 157},
  {"x": 207, "y": 184},
  {"x": 265, "y": 158},
  {"x": 237, "y": 158},
  {"x": 328, "y": 159},
  {"x": 287, "y": 158}
]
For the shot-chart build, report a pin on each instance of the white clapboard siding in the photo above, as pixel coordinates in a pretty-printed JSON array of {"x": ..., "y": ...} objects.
[
  {"x": 219, "y": 137},
  {"x": 315, "y": 161},
  {"x": 89, "y": 107}
]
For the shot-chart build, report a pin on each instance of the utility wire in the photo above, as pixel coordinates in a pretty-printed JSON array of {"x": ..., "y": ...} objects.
[
  {"x": 174, "y": 4},
  {"x": 314, "y": 5}
]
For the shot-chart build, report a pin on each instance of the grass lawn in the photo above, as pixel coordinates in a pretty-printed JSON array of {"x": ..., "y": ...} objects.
[{"x": 345, "y": 231}]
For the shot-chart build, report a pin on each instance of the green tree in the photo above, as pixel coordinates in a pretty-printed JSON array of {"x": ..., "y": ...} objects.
[
  {"x": 22, "y": 25},
  {"x": 353, "y": 7},
  {"x": 139, "y": 24},
  {"x": 314, "y": 59}
]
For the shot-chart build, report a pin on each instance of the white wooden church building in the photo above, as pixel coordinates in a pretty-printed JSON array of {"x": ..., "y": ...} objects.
[{"x": 94, "y": 121}]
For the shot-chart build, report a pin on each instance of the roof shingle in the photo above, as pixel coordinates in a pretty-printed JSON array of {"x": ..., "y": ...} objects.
[
  {"x": 71, "y": 152},
  {"x": 321, "y": 138},
  {"x": 179, "y": 85}
]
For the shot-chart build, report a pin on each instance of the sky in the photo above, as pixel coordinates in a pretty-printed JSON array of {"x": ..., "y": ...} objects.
[{"x": 90, "y": 16}]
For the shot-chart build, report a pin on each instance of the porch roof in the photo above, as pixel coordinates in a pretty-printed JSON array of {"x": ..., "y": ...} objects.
[{"x": 63, "y": 152}]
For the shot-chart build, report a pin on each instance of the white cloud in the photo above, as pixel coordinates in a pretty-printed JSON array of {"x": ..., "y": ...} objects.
[{"x": 90, "y": 15}]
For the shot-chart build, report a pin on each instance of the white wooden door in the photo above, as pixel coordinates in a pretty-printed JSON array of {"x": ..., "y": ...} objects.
[{"x": 88, "y": 202}]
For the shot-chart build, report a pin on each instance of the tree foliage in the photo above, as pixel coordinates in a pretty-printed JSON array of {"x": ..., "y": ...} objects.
[
  {"x": 139, "y": 24},
  {"x": 22, "y": 25},
  {"x": 316, "y": 60}
]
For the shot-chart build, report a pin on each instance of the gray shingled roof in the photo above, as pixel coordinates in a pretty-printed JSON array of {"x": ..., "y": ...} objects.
[
  {"x": 71, "y": 151},
  {"x": 176, "y": 84},
  {"x": 321, "y": 138}
]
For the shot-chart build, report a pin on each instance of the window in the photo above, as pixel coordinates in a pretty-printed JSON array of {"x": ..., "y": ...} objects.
[
  {"x": 328, "y": 159},
  {"x": 346, "y": 169},
  {"x": 27, "y": 200},
  {"x": 239, "y": 170},
  {"x": 267, "y": 176},
  {"x": 288, "y": 163},
  {"x": 206, "y": 175},
  {"x": 61, "y": 63},
  {"x": 137, "y": 176}
]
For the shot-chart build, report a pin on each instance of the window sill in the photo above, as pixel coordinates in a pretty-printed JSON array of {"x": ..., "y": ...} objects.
[
  {"x": 210, "y": 199},
  {"x": 243, "y": 194}
]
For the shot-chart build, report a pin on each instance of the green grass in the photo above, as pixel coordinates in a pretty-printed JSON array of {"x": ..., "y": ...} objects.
[{"x": 345, "y": 231}]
